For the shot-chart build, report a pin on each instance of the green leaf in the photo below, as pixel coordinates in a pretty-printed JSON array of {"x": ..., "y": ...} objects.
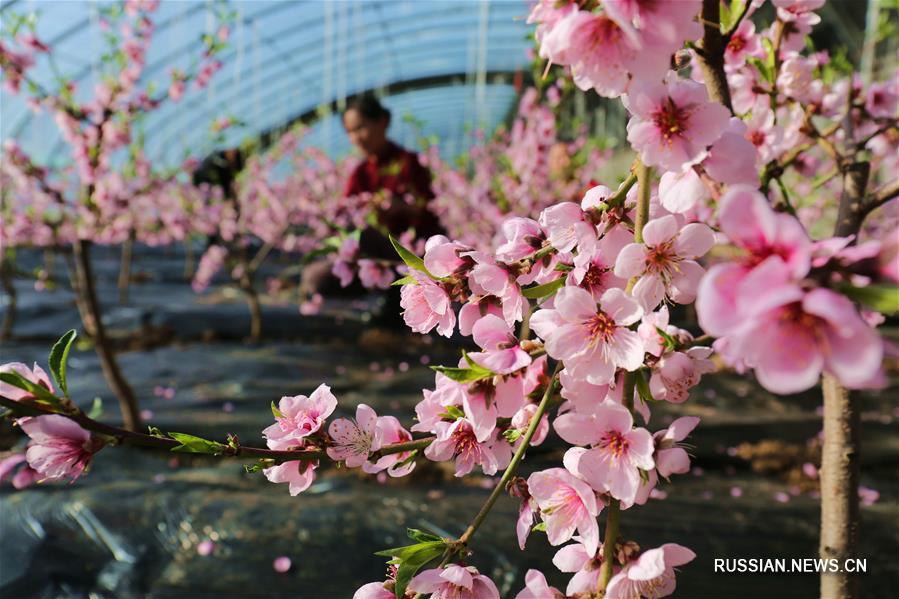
[
  {"x": 463, "y": 375},
  {"x": 59, "y": 355},
  {"x": 408, "y": 550},
  {"x": 38, "y": 391},
  {"x": 881, "y": 298},
  {"x": 192, "y": 444},
  {"x": 453, "y": 413},
  {"x": 276, "y": 412},
  {"x": 539, "y": 291},
  {"x": 411, "y": 260},
  {"x": 407, "y": 280},
  {"x": 643, "y": 387},
  {"x": 422, "y": 536},
  {"x": 411, "y": 559},
  {"x": 96, "y": 409},
  {"x": 540, "y": 526},
  {"x": 512, "y": 435},
  {"x": 670, "y": 342}
]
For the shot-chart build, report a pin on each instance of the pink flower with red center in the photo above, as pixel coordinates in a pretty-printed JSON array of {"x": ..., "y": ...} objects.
[
  {"x": 536, "y": 587},
  {"x": 59, "y": 447},
  {"x": 454, "y": 582},
  {"x": 35, "y": 375},
  {"x": 743, "y": 44},
  {"x": 882, "y": 99},
  {"x": 673, "y": 124},
  {"x": 596, "y": 48},
  {"x": 585, "y": 565},
  {"x": 593, "y": 340},
  {"x": 298, "y": 417},
  {"x": 651, "y": 574},
  {"x": 618, "y": 450},
  {"x": 763, "y": 133},
  {"x": 355, "y": 439},
  {"x": 594, "y": 270},
  {"x": 750, "y": 223},
  {"x": 670, "y": 457},
  {"x": 427, "y": 305},
  {"x": 790, "y": 336},
  {"x": 298, "y": 475},
  {"x": 458, "y": 441},
  {"x": 567, "y": 504},
  {"x": 665, "y": 261}
]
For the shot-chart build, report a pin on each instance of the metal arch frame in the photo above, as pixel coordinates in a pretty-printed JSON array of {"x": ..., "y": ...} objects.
[
  {"x": 272, "y": 92},
  {"x": 279, "y": 53},
  {"x": 311, "y": 109}
]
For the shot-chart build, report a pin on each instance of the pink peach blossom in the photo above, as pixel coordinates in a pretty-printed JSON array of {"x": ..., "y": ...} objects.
[
  {"x": 665, "y": 261},
  {"x": 567, "y": 504},
  {"x": 35, "y": 375},
  {"x": 390, "y": 432},
  {"x": 374, "y": 590},
  {"x": 618, "y": 451},
  {"x": 298, "y": 474},
  {"x": 300, "y": 417},
  {"x": 355, "y": 439},
  {"x": 502, "y": 354},
  {"x": 59, "y": 447},
  {"x": 592, "y": 339},
  {"x": 454, "y": 582},
  {"x": 678, "y": 372},
  {"x": 426, "y": 305},
  {"x": 458, "y": 441},
  {"x": 651, "y": 574},
  {"x": 585, "y": 565},
  {"x": 672, "y": 125},
  {"x": 670, "y": 458},
  {"x": 536, "y": 587}
]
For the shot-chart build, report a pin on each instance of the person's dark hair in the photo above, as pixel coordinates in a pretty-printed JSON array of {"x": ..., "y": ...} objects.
[{"x": 369, "y": 107}]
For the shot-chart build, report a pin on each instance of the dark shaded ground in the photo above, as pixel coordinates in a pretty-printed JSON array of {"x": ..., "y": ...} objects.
[{"x": 132, "y": 526}]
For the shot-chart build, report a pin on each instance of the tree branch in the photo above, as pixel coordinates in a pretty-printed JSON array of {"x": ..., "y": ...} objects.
[
  {"x": 711, "y": 58},
  {"x": 122, "y": 436}
]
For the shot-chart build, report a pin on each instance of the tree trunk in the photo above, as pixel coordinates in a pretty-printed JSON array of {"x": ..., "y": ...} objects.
[
  {"x": 255, "y": 310},
  {"x": 841, "y": 449},
  {"x": 91, "y": 317},
  {"x": 839, "y": 487},
  {"x": 125, "y": 269}
]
